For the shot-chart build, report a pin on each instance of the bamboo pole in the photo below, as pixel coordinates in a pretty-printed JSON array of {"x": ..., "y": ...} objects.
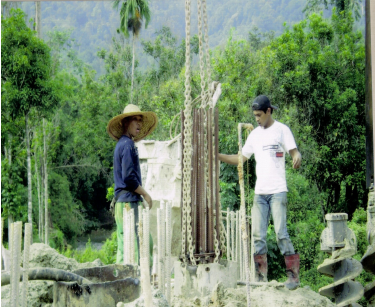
[{"x": 244, "y": 213}]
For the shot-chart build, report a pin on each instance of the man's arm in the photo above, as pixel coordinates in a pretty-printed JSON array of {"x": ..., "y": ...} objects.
[
  {"x": 230, "y": 159},
  {"x": 296, "y": 158},
  {"x": 129, "y": 176},
  {"x": 140, "y": 190}
]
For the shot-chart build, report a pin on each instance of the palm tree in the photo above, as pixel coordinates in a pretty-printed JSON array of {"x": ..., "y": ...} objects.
[
  {"x": 354, "y": 6},
  {"x": 132, "y": 14}
]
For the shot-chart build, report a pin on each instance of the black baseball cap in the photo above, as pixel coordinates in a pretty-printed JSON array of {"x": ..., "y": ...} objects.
[{"x": 262, "y": 103}]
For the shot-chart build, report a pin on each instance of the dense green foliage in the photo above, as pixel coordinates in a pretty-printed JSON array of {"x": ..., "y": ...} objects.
[
  {"x": 321, "y": 71},
  {"x": 313, "y": 70},
  {"x": 107, "y": 254},
  {"x": 25, "y": 69}
]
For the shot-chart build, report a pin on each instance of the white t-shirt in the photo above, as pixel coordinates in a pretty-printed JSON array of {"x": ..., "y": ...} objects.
[{"x": 269, "y": 147}]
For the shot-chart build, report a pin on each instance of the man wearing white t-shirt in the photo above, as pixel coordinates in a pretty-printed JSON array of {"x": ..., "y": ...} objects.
[{"x": 269, "y": 142}]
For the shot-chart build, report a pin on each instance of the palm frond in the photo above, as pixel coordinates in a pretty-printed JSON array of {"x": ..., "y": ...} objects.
[
  {"x": 132, "y": 13},
  {"x": 115, "y": 4}
]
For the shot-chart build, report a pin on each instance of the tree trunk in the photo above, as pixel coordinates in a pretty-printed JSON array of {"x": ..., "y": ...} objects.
[
  {"x": 370, "y": 90},
  {"x": 38, "y": 25},
  {"x": 9, "y": 156},
  {"x": 38, "y": 193},
  {"x": 29, "y": 186},
  {"x": 45, "y": 184},
  {"x": 42, "y": 195},
  {"x": 352, "y": 200},
  {"x": 131, "y": 94}
]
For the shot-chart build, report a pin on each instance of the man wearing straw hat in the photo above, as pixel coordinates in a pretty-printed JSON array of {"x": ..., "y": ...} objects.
[
  {"x": 269, "y": 143},
  {"x": 128, "y": 128}
]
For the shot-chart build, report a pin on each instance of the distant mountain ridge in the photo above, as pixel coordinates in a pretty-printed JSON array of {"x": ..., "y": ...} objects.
[{"x": 95, "y": 22}]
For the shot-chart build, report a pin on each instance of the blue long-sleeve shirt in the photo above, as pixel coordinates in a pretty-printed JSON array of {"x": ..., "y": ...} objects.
[{"x": 127, "y": 172}]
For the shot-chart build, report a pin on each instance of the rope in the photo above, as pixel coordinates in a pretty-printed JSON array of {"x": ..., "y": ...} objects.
[{"x": 243, "y": 212}]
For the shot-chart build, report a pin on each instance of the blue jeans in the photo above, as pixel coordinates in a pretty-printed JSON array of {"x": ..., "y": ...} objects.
[{"x": 263, "y": 205}]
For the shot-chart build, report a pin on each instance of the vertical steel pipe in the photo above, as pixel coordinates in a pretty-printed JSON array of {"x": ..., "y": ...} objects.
[
  {"x": 217, "y": 164},
  {"x": 202, "y": 187},
  {"x": 184, "y": 235},
  {"x": 210, "y": 182},
  {"x": 194, "y": 180},
  {"x": 205, "y": 176},
  {"x": 198, "y": 175}
]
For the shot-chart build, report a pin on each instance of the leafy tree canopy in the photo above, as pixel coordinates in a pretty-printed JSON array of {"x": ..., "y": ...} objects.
[{"x": 25, "y": 68}]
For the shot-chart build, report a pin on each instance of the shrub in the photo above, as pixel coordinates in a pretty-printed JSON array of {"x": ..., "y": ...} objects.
[{"x": 107, "y": 254}]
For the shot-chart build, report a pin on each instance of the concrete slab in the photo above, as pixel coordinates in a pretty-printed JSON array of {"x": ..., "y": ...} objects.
[{"x": 200, "y": 280}]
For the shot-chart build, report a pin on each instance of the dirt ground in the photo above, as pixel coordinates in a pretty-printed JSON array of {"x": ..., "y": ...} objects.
[{"x": 272, "y": 294}]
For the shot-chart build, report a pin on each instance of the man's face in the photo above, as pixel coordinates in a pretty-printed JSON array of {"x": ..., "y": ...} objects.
[
  {"x": 261, "y": 117},
  {"x": 135, "y": 125}
]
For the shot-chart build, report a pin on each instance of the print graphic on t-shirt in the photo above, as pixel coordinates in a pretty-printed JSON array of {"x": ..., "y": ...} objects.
[
  {"x": 270, "y": 147},
  {"x": 275, "y": 152}
]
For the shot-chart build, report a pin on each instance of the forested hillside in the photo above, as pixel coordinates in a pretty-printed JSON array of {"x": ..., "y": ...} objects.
[
  {"x": 94, "y": 23},
  {"x": 57, "y": 99}
]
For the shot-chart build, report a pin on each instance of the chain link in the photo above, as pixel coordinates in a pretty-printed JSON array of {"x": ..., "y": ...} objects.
[
  {"x": 223, "y": 237},
  {"x": 206, "y": 41},
  {"x": 216, "y": 244},
  {"x": 201, "y": 54},
  {"x": 187, "y": 160},
  {"x": 206, "y": 99}
]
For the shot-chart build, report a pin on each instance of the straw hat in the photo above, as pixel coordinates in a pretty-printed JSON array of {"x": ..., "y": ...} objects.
[{"x": 115, "y": 128}]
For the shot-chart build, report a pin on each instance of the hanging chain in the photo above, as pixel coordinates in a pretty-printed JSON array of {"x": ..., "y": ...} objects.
[
  {"x": 223, "y": 237},
  {"x": 206, "y": 41},
  {"x": 204, "y": 103},
  {"x": 216, "y": 244},
  {"x": 187, "y": 160},
  {"x": 201, "y": 54},
  {"x": 206, "y": 99},
  {"x": 215, "y": 164}
]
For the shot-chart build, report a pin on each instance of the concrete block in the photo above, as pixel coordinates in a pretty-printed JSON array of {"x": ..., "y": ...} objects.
[
  {"x": 110, "y": 285},
  {"x": 161, "y": 176},
  {"x": 201, "y": 280}
]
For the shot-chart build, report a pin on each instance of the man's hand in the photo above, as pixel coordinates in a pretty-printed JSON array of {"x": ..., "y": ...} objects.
[
  {"x": 296, "y": 158},
  {"x": 148, "y": 199},
  {"x": 140, "y": 190}
]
